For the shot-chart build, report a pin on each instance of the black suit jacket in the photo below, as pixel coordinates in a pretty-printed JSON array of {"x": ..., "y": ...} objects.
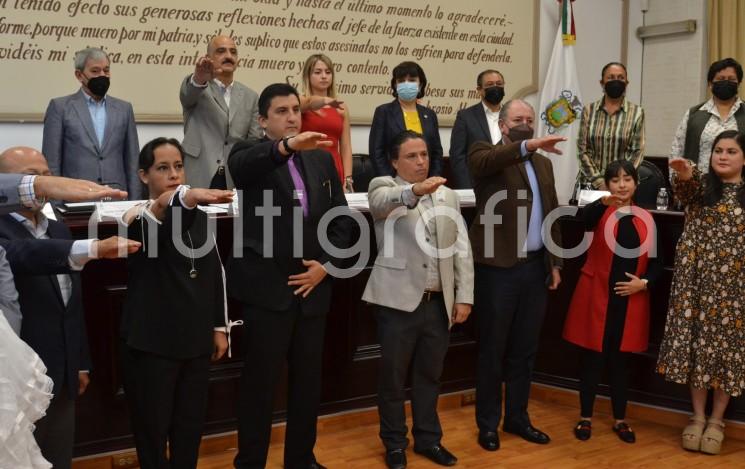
[
  {"x": 387, "y": 123},
  {"x": 470, "y": 127},
  {"x": 167, "y": 312},
  {"x": 259, "y": 280},
  {"x": 56, "y": 332}
]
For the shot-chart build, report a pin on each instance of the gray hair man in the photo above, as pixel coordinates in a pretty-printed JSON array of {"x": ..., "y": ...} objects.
[{"x": 91, "y": 135}]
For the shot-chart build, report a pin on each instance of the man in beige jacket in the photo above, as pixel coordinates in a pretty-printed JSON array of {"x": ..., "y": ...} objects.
[{"x": 422, "y": 282}]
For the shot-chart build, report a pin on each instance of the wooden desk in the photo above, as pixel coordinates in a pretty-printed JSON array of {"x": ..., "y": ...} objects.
[{"x": 351, "y": 351}]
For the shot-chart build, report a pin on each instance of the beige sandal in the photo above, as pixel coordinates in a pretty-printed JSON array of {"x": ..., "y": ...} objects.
[
  {"x": 711, "y": 440},
  {"x": 691, "y": 438}
]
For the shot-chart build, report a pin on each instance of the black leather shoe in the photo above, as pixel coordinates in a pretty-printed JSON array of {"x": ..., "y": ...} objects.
[
  {"x": 624, "y": 432},
  {"x": 583, "y": 430},
  {"x": 316, "y": 465},
  {"x": 439, "y": 455},
  {"x": 529, "y": 433},
  {"x": 395, "y": 458},
  {"x": 489, "y": 440}
]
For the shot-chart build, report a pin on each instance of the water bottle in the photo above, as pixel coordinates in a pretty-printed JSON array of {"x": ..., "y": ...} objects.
[{"x": 663, "y": 200}]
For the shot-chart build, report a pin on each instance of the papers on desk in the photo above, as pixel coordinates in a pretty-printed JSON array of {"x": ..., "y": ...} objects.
[
  {"x": 467, "y": 197},
  {"x": 588, "y": 196},
  {"x": 358, "y": 201},
  {"x": 48, "y": 211}
]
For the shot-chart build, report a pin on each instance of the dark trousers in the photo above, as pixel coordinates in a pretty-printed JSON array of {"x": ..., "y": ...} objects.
[
  {"x": 168, "y": 401},
  {"x": 55, "y": 432},
  {"x": 591, "y": 362},
  {"x": 271, "y": 338},
  {"x": 419, "y": 340},
  {"x": 510, "y": 304},
  {"x": 591, "y": 370}
]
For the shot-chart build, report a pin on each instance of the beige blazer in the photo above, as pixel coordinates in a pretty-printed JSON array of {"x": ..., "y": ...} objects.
[{"x": 400, "y": 270}]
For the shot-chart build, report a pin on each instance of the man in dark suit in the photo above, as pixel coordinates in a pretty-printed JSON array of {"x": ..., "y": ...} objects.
[
  {"x": 44, "y": 260},
  {"x": 91, "y": 135},
  {"x": 287, "y": 186},
  {"x": 513, "y": 185},
  {"x": 478, "y": 123}
]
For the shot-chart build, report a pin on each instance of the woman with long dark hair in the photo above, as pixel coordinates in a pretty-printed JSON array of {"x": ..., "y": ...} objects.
[
  {"x": 704, "y": 341},
  {"x": 609, "y": 314}
]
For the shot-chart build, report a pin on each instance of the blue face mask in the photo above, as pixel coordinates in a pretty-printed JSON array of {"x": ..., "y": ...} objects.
[{"x": 407, "y": 90}]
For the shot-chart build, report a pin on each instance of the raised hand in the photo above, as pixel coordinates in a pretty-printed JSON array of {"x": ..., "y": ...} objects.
[
  {"x": 683, "y": 167},
  {"x": 205, "y": 70},
  {"x": 612, "y": 200},
  {"x": 309, "y": 141},
  {"x": 198, "y": 196},
  {"x": 114, "y": 247},
  {"x": 73, "y": 190},
  {"x": 547, "y": 144},
  {"x": 428, "y": 186}
]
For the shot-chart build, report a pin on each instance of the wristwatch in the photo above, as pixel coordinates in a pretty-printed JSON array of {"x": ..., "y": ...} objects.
[
  {"x": 645, "y": 282},
  {"x": 287, "y": 146}
]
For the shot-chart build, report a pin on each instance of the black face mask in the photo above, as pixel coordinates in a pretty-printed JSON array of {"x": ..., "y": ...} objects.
[
  {"x": 494, "y": 95},
  {"x": 724, "y": 89},
  {"x": 614, "y": 89},
  {"x": 520, "y": 132},
  {"x": 99, "y": 85}
]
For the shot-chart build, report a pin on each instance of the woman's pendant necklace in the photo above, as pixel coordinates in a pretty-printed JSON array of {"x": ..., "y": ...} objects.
[{"x": 193, "y": 272}]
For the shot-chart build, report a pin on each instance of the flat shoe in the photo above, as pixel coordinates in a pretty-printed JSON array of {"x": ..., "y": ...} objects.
[
  {"x": 624, "y": 432},
  {"x": 583, "y": 430}
]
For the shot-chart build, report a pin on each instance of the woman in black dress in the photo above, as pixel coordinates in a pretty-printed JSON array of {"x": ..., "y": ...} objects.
[{"x": 174, "y": 316}]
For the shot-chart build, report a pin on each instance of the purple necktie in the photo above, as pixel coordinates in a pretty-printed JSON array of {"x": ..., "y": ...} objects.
[{"x": 297, "y": 180}]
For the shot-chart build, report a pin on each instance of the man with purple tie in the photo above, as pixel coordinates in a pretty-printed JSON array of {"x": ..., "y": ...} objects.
[{"x": 280, "y": 275}]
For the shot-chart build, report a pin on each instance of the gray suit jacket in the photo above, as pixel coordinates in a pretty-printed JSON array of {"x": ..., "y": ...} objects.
[
  {"x": 9, "y": 202},
  {"x": 397, "y": 279},
  {"x": 72, "y": 150},
  {"x": 211, "y": 129}
]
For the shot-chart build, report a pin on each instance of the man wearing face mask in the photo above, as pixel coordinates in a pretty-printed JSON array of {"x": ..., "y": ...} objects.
[
  {"x": 611, "y": 128},
  {"x": 513, "y": 184},
  {"x": 479, "y": 122},
  {"x": 218, "y": 112},
  {"x": 703, "y": 122},
  {"x": 90, "y": 135}
]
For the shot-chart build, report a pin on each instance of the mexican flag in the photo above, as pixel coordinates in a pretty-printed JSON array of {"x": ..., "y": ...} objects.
[{"x": 560, "y": 106}]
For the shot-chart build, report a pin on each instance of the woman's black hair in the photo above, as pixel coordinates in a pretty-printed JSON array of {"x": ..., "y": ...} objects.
[
  {"x": 612, "y": 64},
  {"x": 147, "y": 156},
  {"x": 713, "y": 185},
  {"x": 720, "y": 65},
  {"x": 409, "y": 69},
  {"x": 614, "y": 169}
]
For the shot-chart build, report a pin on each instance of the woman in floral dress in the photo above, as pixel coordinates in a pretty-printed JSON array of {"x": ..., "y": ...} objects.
[{"x": 704, "y": 341}]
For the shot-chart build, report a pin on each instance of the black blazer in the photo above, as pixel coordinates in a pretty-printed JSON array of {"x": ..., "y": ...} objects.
[
  {"x": 167, "y": 312},
  {"x": 387, "y": 123},
  {"x": 56, "y": 332},
  {"x": 470, "y": 127},
  {"x": 261, "y": 281}
]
